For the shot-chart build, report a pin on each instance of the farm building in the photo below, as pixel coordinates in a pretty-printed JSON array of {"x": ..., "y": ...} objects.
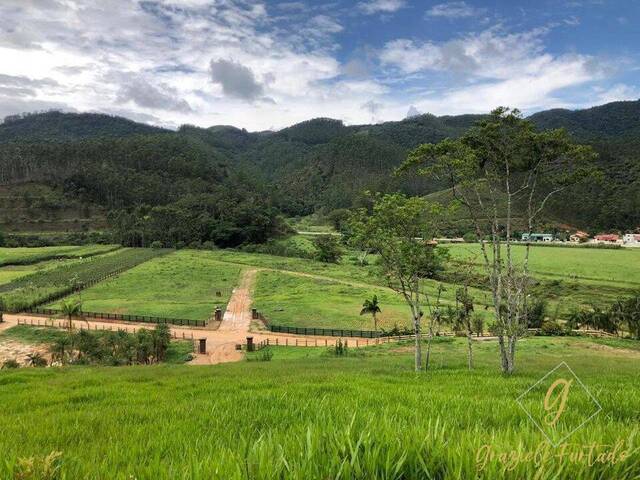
[
  {"x": 579, "y": 236},
  {"x": 537, "y": 237},
  {"x": 631, "y": 239},
  {"x": 607, "y": 238}
]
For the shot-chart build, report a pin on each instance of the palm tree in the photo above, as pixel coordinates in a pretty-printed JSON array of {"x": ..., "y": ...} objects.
[
  {"x": 69, "y": 309},
  {"x": 61, "y": 349},
  {"x": 373, "y": 308}
]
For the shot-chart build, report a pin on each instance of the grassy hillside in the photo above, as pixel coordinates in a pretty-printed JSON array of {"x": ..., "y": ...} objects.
[{"x": 309, "y": 414}]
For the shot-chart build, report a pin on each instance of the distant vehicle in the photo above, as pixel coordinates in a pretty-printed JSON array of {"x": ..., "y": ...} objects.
[{"x": 537, "y": 237}]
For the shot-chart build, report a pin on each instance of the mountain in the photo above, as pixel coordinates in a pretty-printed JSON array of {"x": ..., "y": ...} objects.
[
  {"x": 320, "y": 164},
  {"x": 58, "y": 126},
  {"x": 616, "y": 120}
]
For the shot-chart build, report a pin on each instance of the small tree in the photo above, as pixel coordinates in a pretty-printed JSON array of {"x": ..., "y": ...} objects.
[
  {"x": 399, "y": 230},
  {"x": 61, "y": 349},
  {"x": 371, "y": 307},
  {"x": 327, "y": 249},
  {"x": 500, "y": 170},
  {"x": 70, "y": 308},
  {"x": 161, "y": 340}
]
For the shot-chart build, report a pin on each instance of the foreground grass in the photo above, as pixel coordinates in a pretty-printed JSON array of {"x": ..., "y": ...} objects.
[
  {"x": 182, "y": 284},
  {"x": 319, "y": 416}
]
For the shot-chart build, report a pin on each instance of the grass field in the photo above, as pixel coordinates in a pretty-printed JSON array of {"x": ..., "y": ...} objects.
[
  {"x": 616, "y": 266},
  {"x": 294, "y": 300},
  {"x": 9, "y": 273},
  {"x": 307, "y": 415},
  {"x": 573, "y": 277},
  {"x": 24, "y": 255},
  {"x": 41, "y": 286},
  {"x": 182, "y": 285}
]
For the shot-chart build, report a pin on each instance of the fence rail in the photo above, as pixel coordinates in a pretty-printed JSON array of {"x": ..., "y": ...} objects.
[
  {"x": 325, "y": 332},
  {"x": 123, "y": 317}
]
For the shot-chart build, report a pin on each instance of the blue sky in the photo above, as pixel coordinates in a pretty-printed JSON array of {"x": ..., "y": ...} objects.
[{"x": 266, "y": 65}]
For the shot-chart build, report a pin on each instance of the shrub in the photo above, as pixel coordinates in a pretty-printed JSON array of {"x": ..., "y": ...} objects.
[
  {"x": 551, "y": 328},
  {"x": 156, "y": 244},
  {"x": 37, "y": 360},
  {"x": 341, "y": 348},
  {"x": 327, "y": 249},
  {"x": 11, "y": 363},
  {"x": 536, "y": 313},
  {"x": 470, "y": 237}
]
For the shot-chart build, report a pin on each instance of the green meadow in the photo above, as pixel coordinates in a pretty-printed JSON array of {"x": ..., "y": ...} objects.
[
  {"x": 182, "y": 284},
  {"x": 23, "y": 255},
  {"x": 303, "y": 301},
  {"x": 310, "y": 414}
]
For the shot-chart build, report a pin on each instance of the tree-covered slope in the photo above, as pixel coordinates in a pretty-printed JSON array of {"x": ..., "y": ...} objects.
[{"x": 114, "y": 163}]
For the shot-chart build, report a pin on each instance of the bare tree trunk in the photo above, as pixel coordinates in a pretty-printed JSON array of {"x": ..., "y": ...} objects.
[
  {"x": 504, "y": 361},
  {"x": 418, "y": 353},
  {"x": 426, "y": 363}
]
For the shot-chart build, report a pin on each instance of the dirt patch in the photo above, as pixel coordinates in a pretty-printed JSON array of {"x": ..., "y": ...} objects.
[
  {"x": 18, "y": 351},
  {"x": 613, "y": 351}
]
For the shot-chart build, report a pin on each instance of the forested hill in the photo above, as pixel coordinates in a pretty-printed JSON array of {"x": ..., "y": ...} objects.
[
  {"x": 118, "y": 165},
  {"x": 58, "y": 126}
]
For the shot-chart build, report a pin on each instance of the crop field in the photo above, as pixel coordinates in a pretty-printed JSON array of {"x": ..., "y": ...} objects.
[
  {"x": 310, "y": 414},
  {"x": 29, "y": 290},
  {"x": 30, "y": 255},
  {"x": 179, "y": 285},
  {"x": 8, "y": 273}
]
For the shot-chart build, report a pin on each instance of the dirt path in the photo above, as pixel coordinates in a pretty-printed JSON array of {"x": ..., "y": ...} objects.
[{"x": 237, "y": 317}]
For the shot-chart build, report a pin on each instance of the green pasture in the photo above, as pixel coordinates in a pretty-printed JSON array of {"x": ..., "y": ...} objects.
[
  {"x": 616, "y": 266},
  {"x": 182, "y": 284},
  {"x": 303, "y": 301},
  {"x": 36, "y": 254},
  {"x": 308, "y": 414},
  {"x": 40, "y": 286}
]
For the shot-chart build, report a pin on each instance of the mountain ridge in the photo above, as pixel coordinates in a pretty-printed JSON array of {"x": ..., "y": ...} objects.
[{"x": 318, "y": 164}]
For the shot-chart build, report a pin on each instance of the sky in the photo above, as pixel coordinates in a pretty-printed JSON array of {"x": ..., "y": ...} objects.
[{"x": 267, "y": 65}]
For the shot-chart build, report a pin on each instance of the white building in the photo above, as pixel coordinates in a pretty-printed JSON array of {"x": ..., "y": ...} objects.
[{"x": 631, "y": 239}]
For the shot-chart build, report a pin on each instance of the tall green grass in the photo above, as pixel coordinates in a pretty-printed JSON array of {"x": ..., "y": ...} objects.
[{"x": 319, "y": 417}]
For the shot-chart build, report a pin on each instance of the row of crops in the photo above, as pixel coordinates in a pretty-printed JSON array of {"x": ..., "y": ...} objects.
[
  {"x": 48, "y": 285},
  {"x": 31, "y": 255}
]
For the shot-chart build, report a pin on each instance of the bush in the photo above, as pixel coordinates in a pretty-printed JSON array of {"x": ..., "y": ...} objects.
[
  {"x": 327, "y": 249},
  {"x": 157, "y": 244},
  {"x": 37, "y": 360},
  {"x": 11, "y": 363},
  {"x": 341, "y": 348},
  {"x": 536, "y": 313},
  {"x": 551, "y": 328},
  {"x": 470, "y": 237}
]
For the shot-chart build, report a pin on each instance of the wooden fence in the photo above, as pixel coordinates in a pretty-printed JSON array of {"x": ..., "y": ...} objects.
[{"x": 122, "y": 317}]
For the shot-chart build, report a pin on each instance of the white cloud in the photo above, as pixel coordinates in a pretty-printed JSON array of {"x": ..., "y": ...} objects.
[
  {"x": 381, "y": 6},
  {"x": 453, "y": 10},
  {"x": 260, "y": 64}
]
